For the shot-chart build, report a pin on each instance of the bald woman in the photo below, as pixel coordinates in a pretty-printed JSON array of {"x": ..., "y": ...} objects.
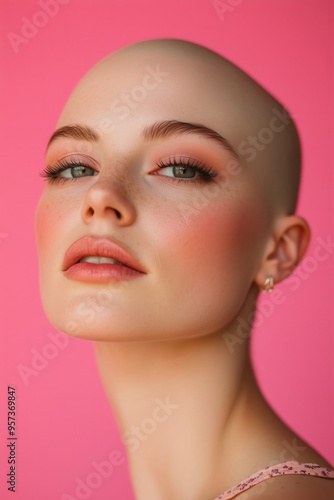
[{"x": 169, "y": 204}]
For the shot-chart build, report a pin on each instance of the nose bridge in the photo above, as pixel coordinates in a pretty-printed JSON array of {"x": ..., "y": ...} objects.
[{"x": 110, "y": 196}]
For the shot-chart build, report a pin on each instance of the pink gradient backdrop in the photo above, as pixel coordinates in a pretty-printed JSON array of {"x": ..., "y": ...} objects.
[{"x": 64, "y": 423}]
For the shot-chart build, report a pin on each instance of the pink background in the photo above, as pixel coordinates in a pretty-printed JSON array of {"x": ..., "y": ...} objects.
[{"x": 63, "y": 419}]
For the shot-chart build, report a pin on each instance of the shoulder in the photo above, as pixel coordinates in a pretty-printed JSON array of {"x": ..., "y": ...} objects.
[{"x": 291, "y": 487}]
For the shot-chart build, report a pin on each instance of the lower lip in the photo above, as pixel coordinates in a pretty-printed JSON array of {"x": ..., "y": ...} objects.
[{"x": 100, "y": 273}]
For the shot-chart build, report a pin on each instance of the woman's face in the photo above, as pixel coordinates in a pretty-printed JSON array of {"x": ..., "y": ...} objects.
[{"x": 177, "y": 201}]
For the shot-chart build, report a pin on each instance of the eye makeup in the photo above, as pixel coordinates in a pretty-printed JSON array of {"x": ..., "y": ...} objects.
[
  {"x": 199, "y": 172},
  {"x": 188, "y": 169}
]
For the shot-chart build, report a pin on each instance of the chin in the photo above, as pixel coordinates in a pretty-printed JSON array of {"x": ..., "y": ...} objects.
[{"x": 102, "y": 329}]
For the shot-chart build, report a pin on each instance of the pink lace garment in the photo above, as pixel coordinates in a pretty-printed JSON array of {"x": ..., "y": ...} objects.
[{"x": 290, "y": 467}]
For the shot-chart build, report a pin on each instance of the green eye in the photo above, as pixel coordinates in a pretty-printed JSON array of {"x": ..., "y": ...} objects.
[
  {"x": 179, "y": 172},
  {"x": 64, "y": 171},
  {"x": 187, "y": 169},
  {"x": 182, "y": 172},
  {"x": 77, "y": 171}
]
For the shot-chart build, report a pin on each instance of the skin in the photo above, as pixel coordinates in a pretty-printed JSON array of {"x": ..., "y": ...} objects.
[{"x": 164, "y": 335}]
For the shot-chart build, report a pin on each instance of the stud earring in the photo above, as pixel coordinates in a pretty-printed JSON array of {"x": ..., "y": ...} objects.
[{"x": 268, "y": 285}]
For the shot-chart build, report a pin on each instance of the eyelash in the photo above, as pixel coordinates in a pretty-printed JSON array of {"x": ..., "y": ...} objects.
[
  {"x": 52, "y": 173},
  {"x": 206, "y": 173}
]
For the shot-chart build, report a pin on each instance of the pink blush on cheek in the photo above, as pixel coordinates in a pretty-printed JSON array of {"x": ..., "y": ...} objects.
[
  {"x": 210, "y": 262},
  {"x": 50, "y": 224},
  {"x": 223, "y": 233}
]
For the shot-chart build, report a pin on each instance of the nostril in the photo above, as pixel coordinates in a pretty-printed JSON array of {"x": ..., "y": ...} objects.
[{"x": 91, "y": 212}]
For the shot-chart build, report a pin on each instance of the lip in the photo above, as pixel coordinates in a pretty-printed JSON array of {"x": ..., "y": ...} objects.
[{"x": 101, "y": 247}]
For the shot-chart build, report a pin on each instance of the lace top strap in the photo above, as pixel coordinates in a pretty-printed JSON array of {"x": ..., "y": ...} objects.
[{"x": 289, "y": 467}]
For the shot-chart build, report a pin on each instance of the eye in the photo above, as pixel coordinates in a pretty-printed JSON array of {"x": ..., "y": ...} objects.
[
  {"x": 76, "y": 172},
  {"x": 180, "y": 171},
  {"x": 67, "y": 170},
  {"x": 186, "y": 170}
]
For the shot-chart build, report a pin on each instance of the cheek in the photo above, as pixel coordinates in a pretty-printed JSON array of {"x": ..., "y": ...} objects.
[
  {"x": 210, "y": 262},
  {"x": 52, "y": 219},
  {"x": 45, "y": 218},
  {"x": 217, "y": 235},
  {"x": 55, "y": 223}
]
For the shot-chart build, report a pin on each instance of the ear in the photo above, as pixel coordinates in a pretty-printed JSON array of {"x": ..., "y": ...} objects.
[{"x": 286, "y": 248}]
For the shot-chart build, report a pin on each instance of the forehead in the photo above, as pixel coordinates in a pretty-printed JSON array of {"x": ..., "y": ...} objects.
[{"x": 144, "y": 86}]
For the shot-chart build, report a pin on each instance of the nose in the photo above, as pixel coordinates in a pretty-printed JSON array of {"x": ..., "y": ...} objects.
[{"x": 108, "y": 200}]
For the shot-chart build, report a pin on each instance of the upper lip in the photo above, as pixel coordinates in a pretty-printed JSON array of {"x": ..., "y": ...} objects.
[{"x": 102, "y": 247}]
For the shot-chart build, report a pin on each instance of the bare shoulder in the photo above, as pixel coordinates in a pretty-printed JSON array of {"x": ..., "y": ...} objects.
[{"x": 291, "y": 487}]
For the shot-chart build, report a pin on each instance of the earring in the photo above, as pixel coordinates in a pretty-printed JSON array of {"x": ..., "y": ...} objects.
[{"x": 268, "y": 285}]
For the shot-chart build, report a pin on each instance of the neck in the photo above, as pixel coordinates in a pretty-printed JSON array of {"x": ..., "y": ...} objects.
[{"x": 180, "y": 407}]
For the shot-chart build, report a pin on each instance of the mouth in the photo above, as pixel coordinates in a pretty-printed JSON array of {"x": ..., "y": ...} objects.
[
  {"x": 95, "y": 259},
  {"x": 92, "y": 258}
]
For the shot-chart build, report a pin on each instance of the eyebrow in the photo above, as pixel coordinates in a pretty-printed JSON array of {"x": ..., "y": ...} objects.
[
  {"x": 158, "y": 130},
  {"x": 169, "y": 128},
  {"x": 80, "y": 132}
]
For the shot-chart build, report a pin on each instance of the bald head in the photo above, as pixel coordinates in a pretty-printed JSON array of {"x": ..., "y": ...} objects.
[{"x": 167, "y": 79}]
